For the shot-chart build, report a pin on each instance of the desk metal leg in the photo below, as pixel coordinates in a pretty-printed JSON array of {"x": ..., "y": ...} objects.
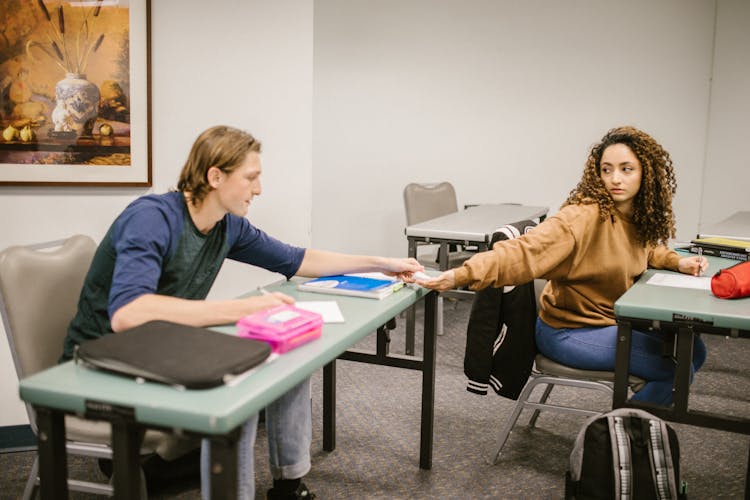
[
  {"x": 428, "y": 381},
  {"x": 223, "y": 457},
  {"x": 126, "y": 466},
  {"x": 622, "y": 363},
  {"x": 329, "y": 406},
  {"x": 443, "y": 256},
  {"x": 411, "y": 322},
  {"x": 383, "y": 345},
  {"x": 682, "y": 375},
  {"x": 53, "y": 460},
  {"x": 426, "y": 365},
  {"x": 411, "y": 311}
]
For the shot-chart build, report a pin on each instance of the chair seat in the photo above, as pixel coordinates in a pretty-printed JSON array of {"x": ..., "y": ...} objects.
[
  {"x": 550, "y": 367},
  {"x": 168, "y": 446},
  {"x": 549, "y": 373}
]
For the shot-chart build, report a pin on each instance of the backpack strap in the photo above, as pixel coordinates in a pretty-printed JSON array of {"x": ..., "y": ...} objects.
[
  {"x": 660, "y": 453},
  {"x": 621, "y": 457}
]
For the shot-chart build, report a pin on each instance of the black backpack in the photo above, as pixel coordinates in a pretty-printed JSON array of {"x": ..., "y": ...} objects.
[{"x": 625, "y": 454}]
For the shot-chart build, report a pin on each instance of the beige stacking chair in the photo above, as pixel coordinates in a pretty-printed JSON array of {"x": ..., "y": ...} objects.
[
  {"x": 39, "y": 290},
  {"x": 548, "y": 374},
  {"x": 428, "y": 201}
]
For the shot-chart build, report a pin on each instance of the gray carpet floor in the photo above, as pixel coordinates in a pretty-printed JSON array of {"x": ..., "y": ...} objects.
[{"x": 378, "y": 411}]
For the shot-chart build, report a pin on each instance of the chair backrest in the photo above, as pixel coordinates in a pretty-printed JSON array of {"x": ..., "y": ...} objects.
[
  {"x": 539, "y": 285},
  {"x": 428, "y": 201},
  {"x": 39, "y": 291}
]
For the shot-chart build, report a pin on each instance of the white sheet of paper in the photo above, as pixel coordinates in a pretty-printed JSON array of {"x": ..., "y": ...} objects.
[
  {"x": 419, "y": 275},
  {"x": 681, "y": 281},
  {"x": 329, "y": 309}
]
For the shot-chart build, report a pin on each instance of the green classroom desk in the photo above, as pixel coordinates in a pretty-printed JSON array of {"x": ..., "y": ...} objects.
[
  {"x": 218, "y": 413},
  {"x": 681, "y": 313}
]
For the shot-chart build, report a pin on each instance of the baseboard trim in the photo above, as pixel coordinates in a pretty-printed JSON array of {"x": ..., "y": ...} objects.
[{"x": 17, "y": 438}]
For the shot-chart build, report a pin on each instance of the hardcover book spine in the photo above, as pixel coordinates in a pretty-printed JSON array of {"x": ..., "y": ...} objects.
[{"x": 726, "y": 254}]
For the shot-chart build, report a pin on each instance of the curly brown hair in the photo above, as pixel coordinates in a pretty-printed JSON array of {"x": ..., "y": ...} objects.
[
  {"x": 652, "y": 206},
  {"x": 222, "y": 147}
]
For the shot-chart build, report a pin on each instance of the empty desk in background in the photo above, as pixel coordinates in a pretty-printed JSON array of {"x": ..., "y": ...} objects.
[
  {"x": 683, "y": 312},
  {"x": 218, "y": 413},
  {"x": 473, "y": 226}
]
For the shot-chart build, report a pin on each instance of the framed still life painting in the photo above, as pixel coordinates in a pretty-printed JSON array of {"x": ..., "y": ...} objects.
[{"x": 75, "y": 107}]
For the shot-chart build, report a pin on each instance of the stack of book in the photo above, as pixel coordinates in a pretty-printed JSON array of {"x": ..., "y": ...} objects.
[
  {"x": 727, "y": 248},
  {"x": 370, "y": 285}
]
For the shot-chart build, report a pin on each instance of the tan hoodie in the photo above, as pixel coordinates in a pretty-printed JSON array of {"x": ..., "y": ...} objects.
[{"x": 589, "y": 263}]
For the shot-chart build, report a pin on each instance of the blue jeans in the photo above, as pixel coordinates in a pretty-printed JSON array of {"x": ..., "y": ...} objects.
[
  {"x": 289, "y": 429},
  {"x": 594, "y": 349}
]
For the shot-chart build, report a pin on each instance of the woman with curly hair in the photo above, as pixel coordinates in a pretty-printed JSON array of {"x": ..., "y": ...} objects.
[{"x": 614, "y": 224}]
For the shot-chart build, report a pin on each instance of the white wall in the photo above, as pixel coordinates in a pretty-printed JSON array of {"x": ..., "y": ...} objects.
[
  {"x": 247, "y": 64},
  {"x": 727, "y": 173},
  {"x": 502, "y": 98}
]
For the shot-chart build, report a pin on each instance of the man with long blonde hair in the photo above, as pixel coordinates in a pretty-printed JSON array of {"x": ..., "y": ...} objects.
[{"x": 162, "y": 254}]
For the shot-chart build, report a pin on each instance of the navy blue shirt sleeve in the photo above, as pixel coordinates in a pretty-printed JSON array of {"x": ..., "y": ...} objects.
[
  {"x": 250, "y": 245},
  {"x": 142, "y": 238}
]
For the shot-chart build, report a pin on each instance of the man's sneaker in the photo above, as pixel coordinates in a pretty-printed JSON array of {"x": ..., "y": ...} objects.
[{"x": 301, "y": 492}]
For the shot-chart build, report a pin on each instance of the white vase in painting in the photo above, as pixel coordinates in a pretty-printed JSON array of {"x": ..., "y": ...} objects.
[{"x": 77, "y": 105}]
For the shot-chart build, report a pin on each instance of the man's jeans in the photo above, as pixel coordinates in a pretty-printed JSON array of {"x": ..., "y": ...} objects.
[
  {"x": 289, "y": 428},
  {"x": 594, "y": 349}
]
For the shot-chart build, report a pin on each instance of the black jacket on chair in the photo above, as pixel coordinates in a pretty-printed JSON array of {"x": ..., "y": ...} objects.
[{"x": 500, "y": 346}]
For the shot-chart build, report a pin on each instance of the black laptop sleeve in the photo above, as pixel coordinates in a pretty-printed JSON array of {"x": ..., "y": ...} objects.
[{"x": 162, "y": 351}]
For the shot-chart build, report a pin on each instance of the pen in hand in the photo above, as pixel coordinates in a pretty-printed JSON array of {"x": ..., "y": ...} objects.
[
  {"x": 263, "y": 291},
  {"x": 700, "y": 261}
]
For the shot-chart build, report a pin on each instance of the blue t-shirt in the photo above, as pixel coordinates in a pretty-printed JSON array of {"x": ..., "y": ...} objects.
[{"x": 153, "y": 247}]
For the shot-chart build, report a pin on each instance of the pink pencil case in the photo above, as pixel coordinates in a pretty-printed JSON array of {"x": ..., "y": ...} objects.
[{"x": 283, "y": 327}]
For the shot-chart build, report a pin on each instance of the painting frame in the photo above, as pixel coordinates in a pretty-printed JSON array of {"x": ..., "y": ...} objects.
[{"x": 138, "y": 172}]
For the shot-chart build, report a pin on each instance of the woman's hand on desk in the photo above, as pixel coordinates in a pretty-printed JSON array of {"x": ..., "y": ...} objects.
[
  {"x": 693, "y": 265},
  {"x": 445, "y": 281}
]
